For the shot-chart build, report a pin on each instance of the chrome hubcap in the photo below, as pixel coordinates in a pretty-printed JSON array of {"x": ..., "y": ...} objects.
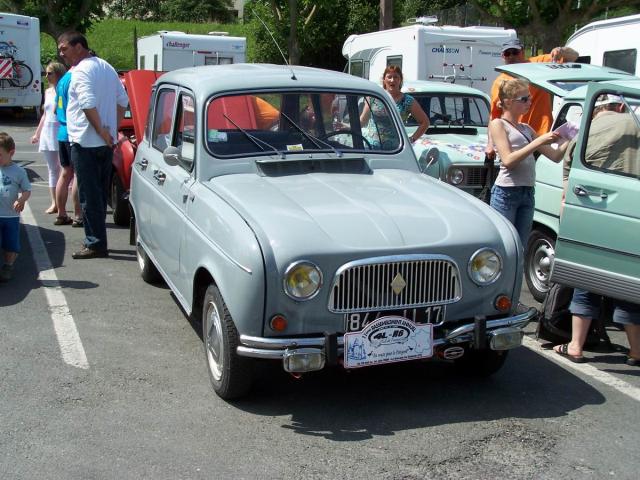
[
  {"x": 540, "y": 265},
  {"x": 215, "y": 348}
]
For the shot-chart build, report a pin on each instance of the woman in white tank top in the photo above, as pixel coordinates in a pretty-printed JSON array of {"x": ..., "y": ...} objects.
[
  {"x": 47, "y": 132},
  {"x": 515, "y": 143}
]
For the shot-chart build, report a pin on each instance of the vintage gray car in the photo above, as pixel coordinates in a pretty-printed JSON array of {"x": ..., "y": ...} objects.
[{"x": 298, "y": 228}]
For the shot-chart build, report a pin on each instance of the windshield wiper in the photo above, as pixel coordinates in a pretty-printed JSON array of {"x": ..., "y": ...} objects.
[
  {"x": 255, "y": 140},
  {"x": 315, "y": 140}
]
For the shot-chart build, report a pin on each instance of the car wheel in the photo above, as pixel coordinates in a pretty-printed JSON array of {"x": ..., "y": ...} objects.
[
  {"x": 481, "y": 363},
  {"x": 538, "y": 261},
  {"x": 230, "y": 374},
  {"x": 120, "y": 205},
  {"x": 148, "y": 270}
]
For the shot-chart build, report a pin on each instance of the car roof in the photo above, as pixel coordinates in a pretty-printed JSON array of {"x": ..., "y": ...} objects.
[
  {"x": 553, "y": 76},
  {"x": 207, "y": 80},
  {"x": 423, "y": 86}
]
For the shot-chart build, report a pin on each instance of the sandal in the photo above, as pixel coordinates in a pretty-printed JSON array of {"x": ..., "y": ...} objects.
[
  {"x": 564, "y": 352},
  {"x": 66, "y": 220},
  {"x": 632, "y": 362},
  {"x": 77, "y": 223}
]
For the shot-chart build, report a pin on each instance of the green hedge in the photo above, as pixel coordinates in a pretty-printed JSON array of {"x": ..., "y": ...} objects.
[{"x": 113, "y": 39}]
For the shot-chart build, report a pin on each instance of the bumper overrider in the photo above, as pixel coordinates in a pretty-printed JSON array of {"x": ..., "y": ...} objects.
[{"x": 306, "y": 354}]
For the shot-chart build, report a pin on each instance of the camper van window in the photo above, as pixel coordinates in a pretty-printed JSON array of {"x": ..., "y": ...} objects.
[
  {"x": 141, "y": 62},
  {"x": 355, "y": 68},
  {"x": 155, "y": 62},
  {"x": 395, "y": 60},
  {"x": 294, "y": 121},
  {"x": 624, "y": 60}
]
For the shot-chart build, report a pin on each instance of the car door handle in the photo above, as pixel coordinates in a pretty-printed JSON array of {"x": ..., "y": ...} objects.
[
  {"x": 580, "y": 191},
  {"x": 159, "y": 176},
  {"x": 143, "y": 164}
]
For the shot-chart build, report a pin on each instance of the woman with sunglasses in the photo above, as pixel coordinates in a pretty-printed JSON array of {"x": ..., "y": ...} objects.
[
  {"x": 513, "y": 192},
  {"x": 47, "y": 132}
]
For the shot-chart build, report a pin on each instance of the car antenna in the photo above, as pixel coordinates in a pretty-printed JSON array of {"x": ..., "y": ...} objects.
[{"x": 293, "y": 75}]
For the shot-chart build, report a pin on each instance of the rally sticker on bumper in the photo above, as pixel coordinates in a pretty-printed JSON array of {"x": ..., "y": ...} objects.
[{"x": 388, "y": 339}]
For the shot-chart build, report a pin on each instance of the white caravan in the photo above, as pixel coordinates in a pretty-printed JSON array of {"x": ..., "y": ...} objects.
[
  {"x": 465, "y": 55},
  {"x": 609, "y": 43},
  {"x": 20, "y": 68},
  {"x": 166, "y": 51}
]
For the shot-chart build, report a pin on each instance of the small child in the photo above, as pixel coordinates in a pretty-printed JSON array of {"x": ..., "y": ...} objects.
[{"x": 15, "y": 190}]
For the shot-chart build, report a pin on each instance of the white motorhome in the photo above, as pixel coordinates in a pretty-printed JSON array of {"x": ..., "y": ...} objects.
[
  {"x": 20, "y": 68},
  {"x": 167, "y": 51},
  {"x": 609, "y": 43},
  {"x": 465, "y": 55}
]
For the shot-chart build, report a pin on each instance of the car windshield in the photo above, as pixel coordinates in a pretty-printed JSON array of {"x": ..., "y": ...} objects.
[
  {"x": 295, "y": 121},
  {"x": 448, "y": 109}
]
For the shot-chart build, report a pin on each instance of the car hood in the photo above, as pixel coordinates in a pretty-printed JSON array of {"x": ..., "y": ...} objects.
[
  {"x": 386, "y": 210},
  {"x": 459, "y": 148}
]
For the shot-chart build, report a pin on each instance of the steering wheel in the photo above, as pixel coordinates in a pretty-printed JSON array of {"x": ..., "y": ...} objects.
[{"x": 333, "y": 133}]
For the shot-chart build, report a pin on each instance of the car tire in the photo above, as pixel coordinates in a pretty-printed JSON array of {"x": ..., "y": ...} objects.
[
  {"x": 481, "y": 363},
  {"x": 148, "y": 270},
  {"x": 538, "y": 260},
  {"x": 120, "y": 205},
  {"x": 230, "y": 375}
]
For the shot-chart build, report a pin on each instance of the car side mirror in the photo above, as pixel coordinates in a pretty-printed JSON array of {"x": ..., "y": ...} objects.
[{"x": 172, "y": 156}]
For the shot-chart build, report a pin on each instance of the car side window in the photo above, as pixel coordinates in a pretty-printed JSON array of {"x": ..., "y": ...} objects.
[
  {"x": 185, "y": 133},
  {"x": 161, "y": 132},
  {"x": 147, "y": 126},
  {"x": 613, "y": 143}
]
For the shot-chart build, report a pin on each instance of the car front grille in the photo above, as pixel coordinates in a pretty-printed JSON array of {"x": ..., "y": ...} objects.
[{"x": 390, "y": 283}]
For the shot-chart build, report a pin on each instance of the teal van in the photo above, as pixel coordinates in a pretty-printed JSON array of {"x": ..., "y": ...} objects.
[{"x": 597, "y": 246}]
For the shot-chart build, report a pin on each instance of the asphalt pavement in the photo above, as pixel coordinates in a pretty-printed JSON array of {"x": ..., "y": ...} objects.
[{"x": 102, "y": 376}]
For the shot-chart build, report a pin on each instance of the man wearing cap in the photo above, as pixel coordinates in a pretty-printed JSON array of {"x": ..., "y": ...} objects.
[
  {"x": 539, "y": 116},
  {"x": 614, "y": 142}
]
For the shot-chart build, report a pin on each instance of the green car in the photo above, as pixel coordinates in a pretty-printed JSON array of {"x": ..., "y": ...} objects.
[
  {"x": 568, "y": 83},
  {"x": 597, "y": 247},
  {"x": 452, "y": 150}
]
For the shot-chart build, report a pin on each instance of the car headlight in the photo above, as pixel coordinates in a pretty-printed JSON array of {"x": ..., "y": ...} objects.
[
  {"x": 485, "y": 266},
  {"x": 302, "y": 280},
  {"x": 456, "y": 176}
]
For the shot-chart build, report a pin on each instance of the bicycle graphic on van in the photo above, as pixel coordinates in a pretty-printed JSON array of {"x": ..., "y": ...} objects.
[{"x": 15, "y": 73}]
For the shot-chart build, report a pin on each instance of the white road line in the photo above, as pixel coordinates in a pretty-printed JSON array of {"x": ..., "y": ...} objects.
[
  {"x": 68, "y": 338},
  {"x": 586, "y": 369}
]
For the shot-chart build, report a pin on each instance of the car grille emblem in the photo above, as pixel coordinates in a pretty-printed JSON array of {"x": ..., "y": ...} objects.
[{"x": 398, "y": 284}]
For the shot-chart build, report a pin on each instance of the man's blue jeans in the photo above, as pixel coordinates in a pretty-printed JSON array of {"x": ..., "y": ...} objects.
[
  {"x": 93, "y": 170},
  {"x": 517, "y": 205}
]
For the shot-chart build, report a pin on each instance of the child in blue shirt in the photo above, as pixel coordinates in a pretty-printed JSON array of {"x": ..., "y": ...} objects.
[{"x": 15, "y": 190}]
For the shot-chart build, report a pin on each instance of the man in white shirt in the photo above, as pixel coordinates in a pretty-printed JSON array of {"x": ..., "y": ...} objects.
[{"x": 96, "y": 105}]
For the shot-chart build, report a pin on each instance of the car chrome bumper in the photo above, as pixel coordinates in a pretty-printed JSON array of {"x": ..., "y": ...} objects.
[{"x": 479, "y": 331}]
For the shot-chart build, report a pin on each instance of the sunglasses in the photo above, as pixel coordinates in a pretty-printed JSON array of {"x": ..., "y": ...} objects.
[
  {"x": 523, "y": 99},
  {"x": 512, "y": 52},
  {"x": 49, "y": 73}
]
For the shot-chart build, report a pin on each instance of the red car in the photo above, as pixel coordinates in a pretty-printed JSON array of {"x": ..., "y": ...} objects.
[{"x": 138, "y": 84}]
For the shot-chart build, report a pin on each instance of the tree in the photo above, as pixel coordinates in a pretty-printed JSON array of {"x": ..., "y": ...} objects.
[
  {"x": 313, "y": 31},
  {"x": 548, "y": 23},
  {"x": 57, "y": 16}
]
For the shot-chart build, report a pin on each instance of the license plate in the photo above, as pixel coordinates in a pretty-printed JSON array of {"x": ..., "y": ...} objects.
[
  {"x": 388, "y": 339},
  {"x": 4, "y": 100},
  {"x": 434, "y": 314}
]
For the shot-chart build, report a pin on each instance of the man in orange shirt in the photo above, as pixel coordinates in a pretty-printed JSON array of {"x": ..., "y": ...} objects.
[{"x": 539, "y": 116}]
